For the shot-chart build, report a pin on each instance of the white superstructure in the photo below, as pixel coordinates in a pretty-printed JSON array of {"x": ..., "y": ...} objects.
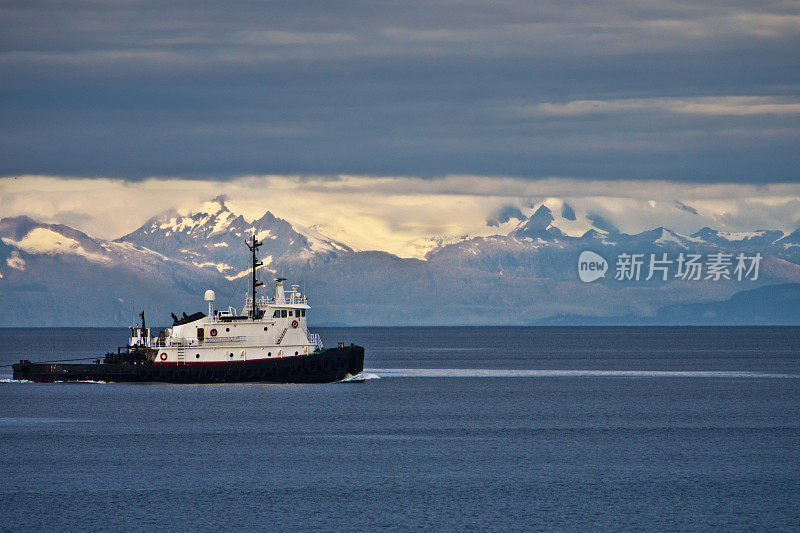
[
  {"x": 275, "y": 329},
  {"x": 267, "y": 328}
]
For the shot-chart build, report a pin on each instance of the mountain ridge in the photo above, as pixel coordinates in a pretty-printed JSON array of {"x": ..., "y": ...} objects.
[
  {"x": 209, "y": 236},
  {"x": 530, "y": 269}
]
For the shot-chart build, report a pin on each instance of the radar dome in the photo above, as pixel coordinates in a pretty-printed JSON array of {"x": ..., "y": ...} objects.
[{"x": 210, "y": 296}]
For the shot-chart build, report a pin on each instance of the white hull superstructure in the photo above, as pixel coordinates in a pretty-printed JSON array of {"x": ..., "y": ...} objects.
[{"x": 276, "y": 329}]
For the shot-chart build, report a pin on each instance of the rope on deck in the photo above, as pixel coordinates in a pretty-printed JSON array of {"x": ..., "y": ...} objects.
[{"x": 56, "y": 361}]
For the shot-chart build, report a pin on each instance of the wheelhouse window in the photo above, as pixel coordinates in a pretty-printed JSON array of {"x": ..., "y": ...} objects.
[
  {"x": 276, "y": 314},
  {"x": 303, "y": 312},
  {"x": 283, "y": 313},
  {"x": 290, "y": 313}
]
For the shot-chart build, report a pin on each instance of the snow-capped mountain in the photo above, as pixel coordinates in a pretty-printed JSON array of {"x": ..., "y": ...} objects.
[
  {"x": 548, "y": 224},
  {"x": 211, "y": 236},
  {"x": 25, "y": 237},
  {"x": 545, "y": 244},
  {"x": 539, "y": 226},
  {"x": 566, "y": 225},
  {"x": 556, "y": 221},
  {"x": 790, "y": 240},
  {"x": 747, "y": 239},
  {"x": 52, "y": 274}
]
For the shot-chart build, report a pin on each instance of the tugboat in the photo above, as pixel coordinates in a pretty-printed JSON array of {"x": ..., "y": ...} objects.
[{"x": 267, "y": 342}]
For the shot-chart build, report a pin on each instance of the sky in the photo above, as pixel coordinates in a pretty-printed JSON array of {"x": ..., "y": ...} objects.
[
  {"x": 517, "y": 100},
  {"x": 687, "y": 91}
]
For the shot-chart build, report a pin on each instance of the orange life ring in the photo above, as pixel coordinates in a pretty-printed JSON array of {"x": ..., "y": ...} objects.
[
  {"x": 163, "y": 356},
  {"x": 213, "y": 332},
  {"x": 295, "y": 323}
]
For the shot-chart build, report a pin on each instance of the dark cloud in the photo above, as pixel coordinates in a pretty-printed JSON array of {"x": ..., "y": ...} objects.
[
  {"x": 418, "y": 88},
  {"x": 685, "y": 208},
  {"x": 505, "y": 214},
  {"x": 602, "y": 223}
]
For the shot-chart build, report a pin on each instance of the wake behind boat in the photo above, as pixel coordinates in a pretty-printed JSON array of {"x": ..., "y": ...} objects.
[{"x": 267, "y": 342}]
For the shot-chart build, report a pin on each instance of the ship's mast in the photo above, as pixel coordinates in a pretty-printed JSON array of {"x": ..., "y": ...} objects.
[{"x": 253, "y": 244}]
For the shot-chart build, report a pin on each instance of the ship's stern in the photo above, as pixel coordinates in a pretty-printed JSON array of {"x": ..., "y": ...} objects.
[
  {"x": 355, "y": 359},
  {"x": 21, "y": 370}
]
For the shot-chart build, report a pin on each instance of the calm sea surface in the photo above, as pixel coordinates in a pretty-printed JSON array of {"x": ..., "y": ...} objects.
[{"x": 479, "y": 428}]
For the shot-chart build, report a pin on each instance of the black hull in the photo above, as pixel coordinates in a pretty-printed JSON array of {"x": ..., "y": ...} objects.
[{"x": 327, "y": 366}]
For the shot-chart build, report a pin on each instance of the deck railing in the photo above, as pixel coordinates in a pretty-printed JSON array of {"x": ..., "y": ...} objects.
[
  {"x": 315, "y": 339},
  {"x": 159, "y": 343},
  {"x": 290, "y": 298},
  {"x": 213, "y": 340}
]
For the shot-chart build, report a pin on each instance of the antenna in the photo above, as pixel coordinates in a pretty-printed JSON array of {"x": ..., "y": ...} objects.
[{"x": 253, "y": 245}]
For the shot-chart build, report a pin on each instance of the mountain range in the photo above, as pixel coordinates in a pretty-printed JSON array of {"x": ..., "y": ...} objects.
[{"x": 55, "y": 275}]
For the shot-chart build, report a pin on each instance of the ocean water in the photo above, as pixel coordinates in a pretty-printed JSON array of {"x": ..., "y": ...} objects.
[{"x": 454, "y": 428}]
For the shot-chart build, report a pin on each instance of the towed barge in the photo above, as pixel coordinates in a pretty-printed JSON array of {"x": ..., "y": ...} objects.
[{"x": 267, "y": 342}]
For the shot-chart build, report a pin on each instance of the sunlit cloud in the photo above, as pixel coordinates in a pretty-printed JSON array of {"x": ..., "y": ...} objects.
[
  {"x": 721, "y": 105},
  {"x": 403, "y": 215}
]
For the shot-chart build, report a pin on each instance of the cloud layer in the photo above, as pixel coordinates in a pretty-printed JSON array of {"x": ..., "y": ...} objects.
[
  {"x": 701, "y": 106},
  {"x": 660, "y": 90},
  {"x": 400, "y": 214}
]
